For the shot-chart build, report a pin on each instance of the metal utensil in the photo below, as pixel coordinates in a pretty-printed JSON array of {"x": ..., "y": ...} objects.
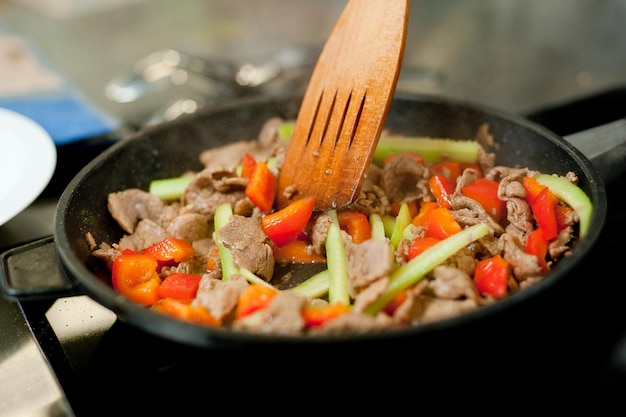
[{"x": 345, "y": 105}]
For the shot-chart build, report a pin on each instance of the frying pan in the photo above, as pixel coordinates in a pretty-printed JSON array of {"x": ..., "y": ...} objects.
[{"x": 169, "y": 149}]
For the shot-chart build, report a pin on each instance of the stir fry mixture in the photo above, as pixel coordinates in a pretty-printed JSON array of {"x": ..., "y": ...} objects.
[{"x": 438, "y": 230}]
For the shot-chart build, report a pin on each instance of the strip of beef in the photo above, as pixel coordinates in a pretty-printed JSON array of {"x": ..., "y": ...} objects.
[
  {"x": 220, "y": 297},
  {"x": 367, "y": 262},
  {"x": 209, "y": 189},
  {"x": 282, "y": 316},
  {"x": 130, "y": 206},
  {"x": 249, "y": 245},
  {"x": 403, "y": 177}
]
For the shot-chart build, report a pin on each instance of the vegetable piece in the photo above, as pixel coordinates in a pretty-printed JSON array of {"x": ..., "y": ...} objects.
[
  {"x": 337, "y": 263},
  {"x": 315, "y": 315},
  {"x": 426, "y": 206},
  {"x": 439, "y": 223},
  {"x": 187, "y": 312},
  {"x": 377, "y": 226},
  {"x": 485, "y": 191},
  {"x": 356, "y": 224},
  {"x": 396, "y": 302},
  {"x": 298, "y": 251},
  {"x": 413, "y": 271},
  {"x": 248, "y": 163},
  {"x": 223, "y": 212},
  {"x": 431, "y": 149},
  {"x": 285, "y": 131},
  {"x": 135, "y": 277},
  {"x": 571, "y": 194},
  {"x": 170, "y": 251},
  {"x": 403, "y": 219},
  {"x": 544, "y": 212},
  {"x": 420, "y": 244},
  {"x": 442, "y": 187},
  {"x": 262, "y": 187},
  {"x": 179, "y": 286},
  {"x": 492, "y": 275},
  {"x": 537, "y": 245},
  {"x": 286, "y": 224},
  {"x": 168, "y": 189},
  {"x": 254, "y": 279},
  {"x": 449, "y": 169},
  {"x": 253, "y": 298},
  {"x": 313, "y": 287}
]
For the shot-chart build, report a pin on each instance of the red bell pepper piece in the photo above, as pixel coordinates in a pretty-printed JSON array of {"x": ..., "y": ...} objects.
[
  {"x": 544, "y": 211},
  {"x": 179, "y": 286},
  {"x": 441, "y": 187},
  {"x": 286, "y": 224},
  {"x": 533, "y": 188},
  {"x": 297, "y": 250},
  {"x": 491, "y": 276},
  {"x": 170, "y": 251},
  {"x": 420, "y": 244},
  {"x": 253, "y": 298},
  {"x": 356, "y": 224},
  {"x": 485, "y": 191},
  {"x": 425, "y": 207},
  {"x": 439, "y": 223},
  {"x": 537, "y": 245},
  {"x": 317, "y": 314},
  {"x": 247, "y": 165},
  {"x": 262, "y": 187},
  {"x": 187, "y": 312},
  {"x": 448, "y": 169},
  {"x": 135, "y": 277}
]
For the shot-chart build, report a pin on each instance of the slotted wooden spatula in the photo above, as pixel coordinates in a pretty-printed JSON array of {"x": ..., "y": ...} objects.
[{"x": 345, "y": 105}]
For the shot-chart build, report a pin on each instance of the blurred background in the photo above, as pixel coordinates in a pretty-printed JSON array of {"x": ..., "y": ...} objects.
[{"x": 516, "y": 55}]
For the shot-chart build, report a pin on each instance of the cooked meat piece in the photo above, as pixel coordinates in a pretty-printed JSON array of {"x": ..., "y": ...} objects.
[
  {"x": 465, "y": 259},
  {"x": 558, "y": 247},
  {"x": 523, "y": 265},
  {"x": 436, "y": 309},
  {"x": 190, "y": 227},
  {"x": 106, "y": 253},
  {"x": 282, "y": 316},
  {"x": 249, "y": 245},
  {"x": 452, "y": 283},
  {"x": 220, "y": 297},
  {"x": 367, "y": 262},
  {"x": 318, "y": 231},
  {"x": 201, "y": 195},
  {"x": 401, "y": 176},
  {"x": 147, "y": 233},
  {"x": 468, "y": 212},
  {"x": 520, "y": 218},
  {"x": 371, "y": 200},
  {"x": 129, "y": 206},
  {"x": 354, "y": 322},
  {"x": 369, "y": 294}
]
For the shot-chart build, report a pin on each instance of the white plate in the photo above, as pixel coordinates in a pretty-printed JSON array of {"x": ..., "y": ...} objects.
[{"x": 28, "y": 158}]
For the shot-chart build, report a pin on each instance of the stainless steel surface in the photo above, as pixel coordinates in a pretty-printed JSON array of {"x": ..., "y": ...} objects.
[{"x": 517, "y": 55}]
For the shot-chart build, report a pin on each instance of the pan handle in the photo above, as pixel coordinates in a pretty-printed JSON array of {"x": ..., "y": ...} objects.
[
  {"x": 605, "y": 147},
  {"x": 30, "y": 271},
  {"x": 595, "y": 124}
]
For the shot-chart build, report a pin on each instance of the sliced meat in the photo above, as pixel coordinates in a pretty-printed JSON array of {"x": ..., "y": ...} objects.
[
  {"x": 190, "y": 227},
  {"x": 282, "y": 316},
  {"x": 146, "y": 234},
  {"x": 129, "y": 206},
  {"x": 367, "y": 262},
  {"x": 220, "y": 297},
  {"x": 249, "y": 244},
  {"x": 201, "y": 195}
]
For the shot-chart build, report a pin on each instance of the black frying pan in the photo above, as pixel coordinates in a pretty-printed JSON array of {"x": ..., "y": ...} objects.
[{"x": 171, "y": 148}]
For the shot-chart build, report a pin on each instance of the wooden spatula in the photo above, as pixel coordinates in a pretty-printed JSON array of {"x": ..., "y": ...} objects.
[{"x": 345, "y": 105}]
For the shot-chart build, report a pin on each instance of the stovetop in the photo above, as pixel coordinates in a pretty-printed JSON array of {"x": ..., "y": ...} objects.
[{"x": 572, "y": 351}]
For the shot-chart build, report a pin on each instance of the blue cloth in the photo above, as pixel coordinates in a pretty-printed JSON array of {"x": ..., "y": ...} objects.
[{"x": 66, "y": 118}]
